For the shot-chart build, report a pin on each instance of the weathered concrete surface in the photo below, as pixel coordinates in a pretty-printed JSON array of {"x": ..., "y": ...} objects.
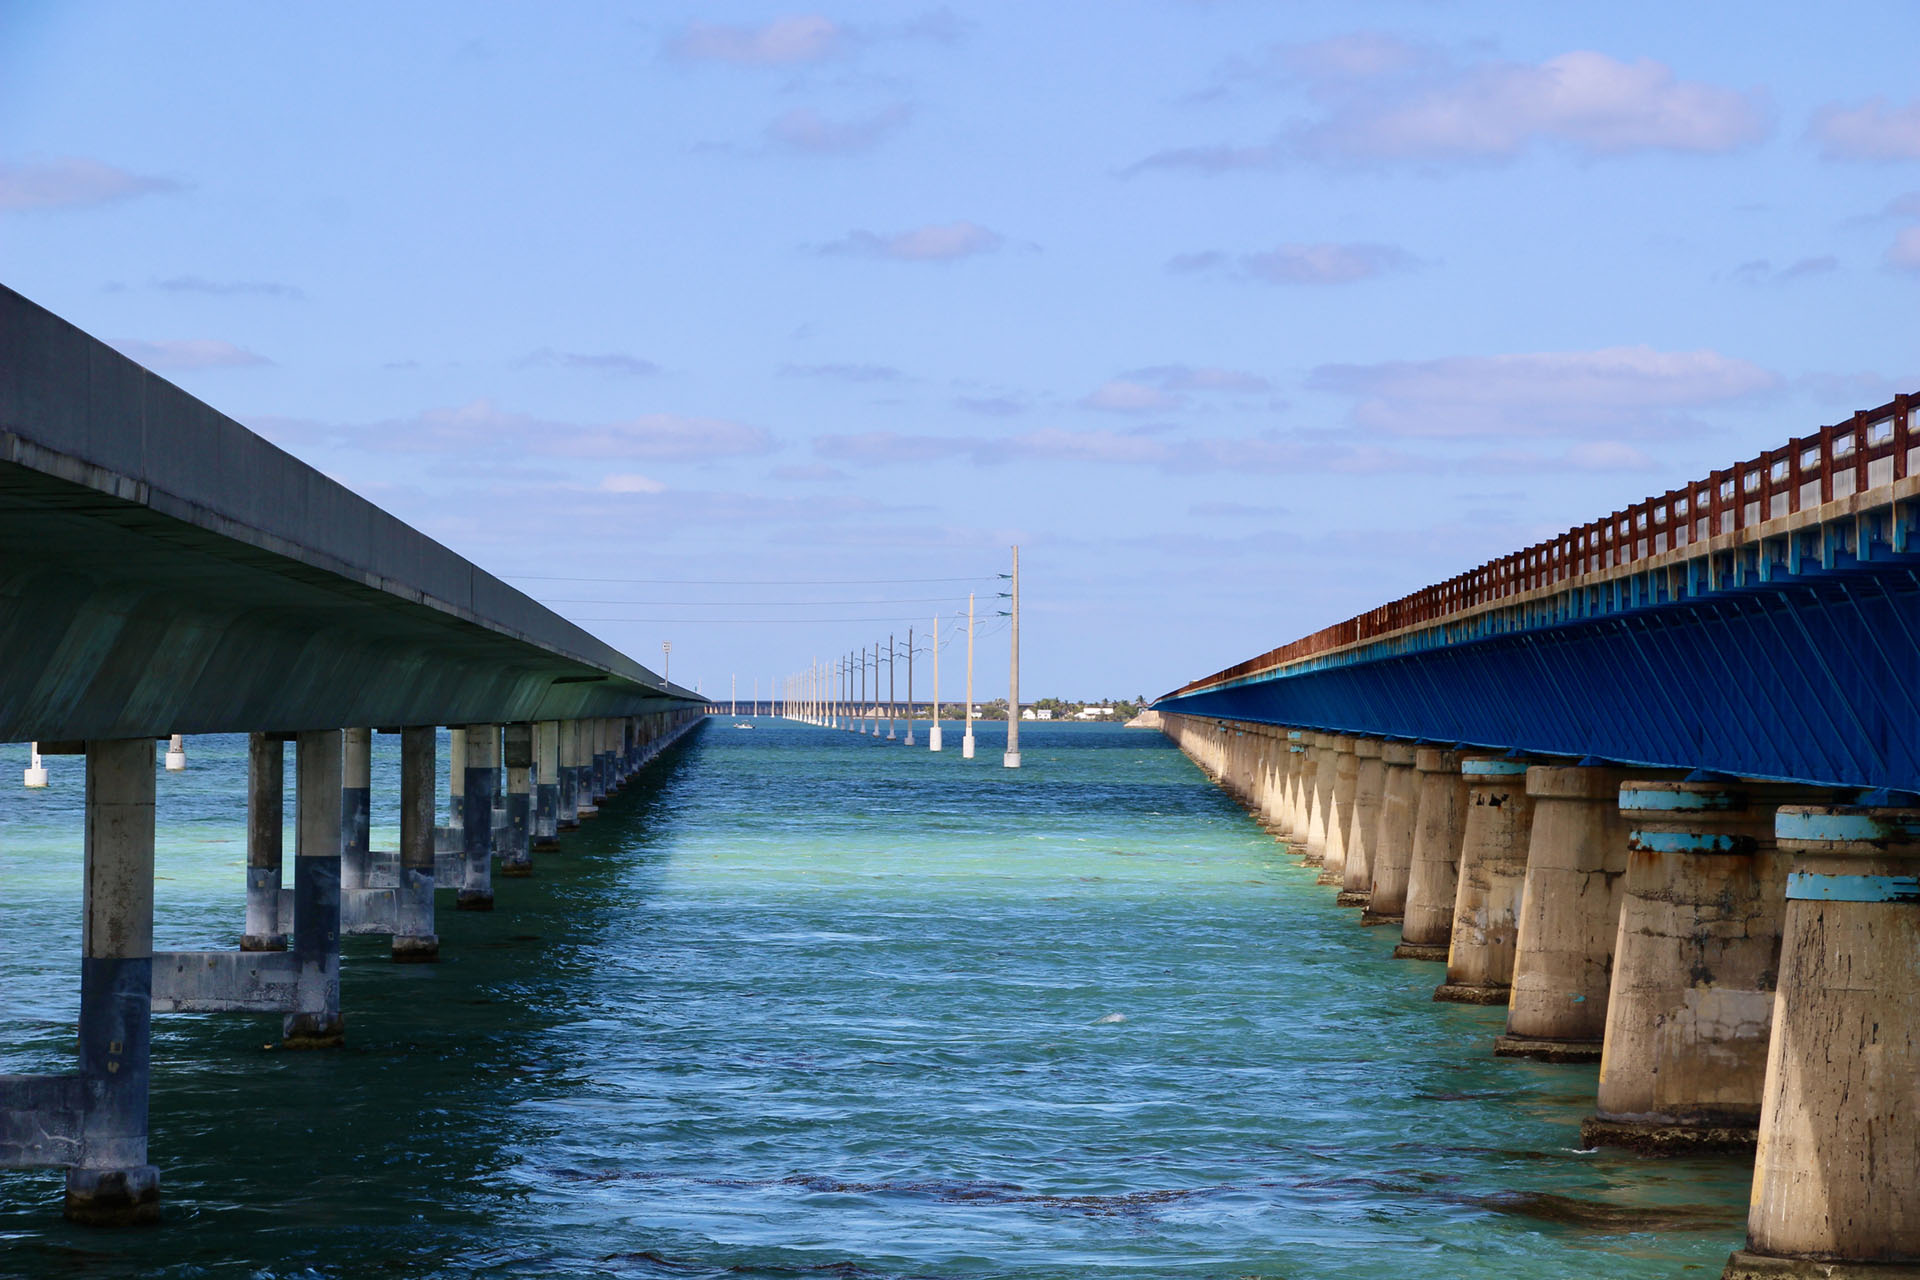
[{"x": 172, "y": 572}]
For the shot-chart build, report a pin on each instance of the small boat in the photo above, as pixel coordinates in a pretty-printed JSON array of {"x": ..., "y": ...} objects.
[{"x": 741, "y": 724}]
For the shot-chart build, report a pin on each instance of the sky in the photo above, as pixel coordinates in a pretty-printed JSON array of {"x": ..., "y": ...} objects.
[{"x": 766, "y": 331}]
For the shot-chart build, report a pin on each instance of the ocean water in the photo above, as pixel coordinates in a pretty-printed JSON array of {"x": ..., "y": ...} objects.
[{"x": 800, "y": 1003}]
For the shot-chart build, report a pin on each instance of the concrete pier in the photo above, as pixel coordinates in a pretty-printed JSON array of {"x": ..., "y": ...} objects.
[
  {"x": 567, "y": 732},
  {"x": 546, "y": 792},
  {"x": 1300, "y": 794},
  {"x": 1433, "y": 876},
  {"x": 1346, "y": 769},
  {"x": 356, "y": 811},
  {"x": 315, "y": 1021},
  {"x": 1691, "y": 1003},
  {"x": 1569, "y": 914},
  {"x": 586, "y": 803},
  {"x": 266, "y": 821},
  {"x": 1393, "y": 837},
  {"x": 414, "y": 940},
  {"x": 483, "y": 773},
  {"x": 1363, "y": 827},
  {"x": 110, "y": 1181},
  {"x": 516, "y": 858},
  {"x": 1319, "y": 797},
  {"x": 1492, "y": 877},
  {"x": 1839, "y": 1143}
]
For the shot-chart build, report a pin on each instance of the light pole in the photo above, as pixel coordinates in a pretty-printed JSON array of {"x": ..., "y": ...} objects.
[
  {"x": 862, "y": 709},
  {"x": 666, "y": 662},
  {"x": 933, "y": 734},
  {"x": 1012, "y": 759},
  {"x": 893, "y": 708},
  {"x": 966, "y": 738},
  {"x": 909, "y": 740}
]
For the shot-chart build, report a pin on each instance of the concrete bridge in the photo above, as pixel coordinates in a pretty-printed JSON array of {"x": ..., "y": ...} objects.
[
  {"x": 164, "y": 571},
  {"x": 1650, "y": 785}
]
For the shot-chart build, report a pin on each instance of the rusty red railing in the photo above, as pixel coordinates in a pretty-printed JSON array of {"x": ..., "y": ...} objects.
[{"x": 1870, "y": 449}]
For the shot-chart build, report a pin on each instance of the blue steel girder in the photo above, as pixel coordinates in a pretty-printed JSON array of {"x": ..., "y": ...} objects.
[{"x": 1810, "y": 675}]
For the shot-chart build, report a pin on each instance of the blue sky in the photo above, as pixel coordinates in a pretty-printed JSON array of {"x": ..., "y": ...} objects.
[{"x": 1241, "y": 318}]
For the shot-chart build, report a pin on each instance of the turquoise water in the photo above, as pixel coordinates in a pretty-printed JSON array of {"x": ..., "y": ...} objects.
[{"x": 803, "y": 1004}]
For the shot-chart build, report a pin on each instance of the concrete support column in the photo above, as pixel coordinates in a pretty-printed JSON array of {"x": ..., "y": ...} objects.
[
  {"x": 569, "y": 770},
  {"x": 1273, "y": 773},
  {"x": 1299, "y": 789},
  {"x": 110, "y": 1182},
  {"x": 316, "y": 1022},
  {"x": 584, "y": 805},
  {"x": 1569, "y": 914},
  {"x": 1839, "y": 1125},
  {"x": 1694, "y": 968},
  {"x": 546, "y": 786},
  {"x": 457, "y": 778},
  {"x": 1346, "y": 770},
  {"x": 517, "y": 746},
  {"x": 1320, "y": 798},
  {"x": 1493, "y": 875},
  {"x": 1433, "y": 879},
  {"x": 414, "y": 940},
  {"x": 1369, "y": 787},
  {"x": 483, "y": 775},
  {"x": 266, "y": 821},
  {"x": 1393, "y": 835},
  {"x": 356, "y": 810},
  {"x": 598, "y": 755}
]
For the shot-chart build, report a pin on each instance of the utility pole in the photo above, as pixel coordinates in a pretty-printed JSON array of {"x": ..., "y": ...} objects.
[
  {"x": 966, "y": 738},
  {"x": 666, "y": 661},
  {"x": 1012, "y": 759},
  {"x": 861, "y": 710},
  {"x": 909, "y": 741},
  {"x": 893, "y": 708},
  {"x": 933, "y": 734},
  {"x": 733, "y": 695}
]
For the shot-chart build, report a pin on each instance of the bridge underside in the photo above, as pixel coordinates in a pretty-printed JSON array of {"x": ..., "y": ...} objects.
[
  {"x": 1813, "y": 678},
  {"x": 120, "y": 621}
]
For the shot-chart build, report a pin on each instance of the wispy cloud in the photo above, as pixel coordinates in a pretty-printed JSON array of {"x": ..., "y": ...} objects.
[
  {"x": 1386, "y": 104},
  {"x": 1123, "y": 395},
  {"x": 71, "y": 182},
  {"x": 594, "y": 362},
  {"x": 805, "y": 130},
  {"x": 1184, "y": 377},
  {"x": 1169, "y": 451},
  {"x": 1875, "y": 130},
  {"x": 480, "y": 426},
  {"x": 1904, "y": 253},
  {"x": 943, "y": 242},
  {"x": 229, "y": 288},
  {"x": 630, "y": 482},
  {"x": 785, "y": 41},
  {"x": 841, "y": 372},
  {"x": 991, "y": 406},
  {"x": 187, "y": 353},
  {"x": 1289, "y": 264},
  {"x": 1617, "y": 390},
  {"x": 1762, "y": 270}
]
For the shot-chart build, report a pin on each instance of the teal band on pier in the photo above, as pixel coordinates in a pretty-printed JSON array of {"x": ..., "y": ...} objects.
[
  {"x": 1493, "y": 768},
  {"x": 1809, "y": 886},
  {"x": 1689, "y": 842}
]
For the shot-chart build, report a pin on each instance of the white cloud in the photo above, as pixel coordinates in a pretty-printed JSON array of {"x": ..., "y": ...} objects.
[
  {"x": 945, "y": 242},
  {"x": 69, "y": 182},
  {"x": 187, "y": 353},
  {"x": 782, "y": 42},
  {"x": 842, "y": 372},
  {"x": 1385, "y": 106},
  {"x": 1762, "y": 270},
  {"x": 229, "y": 288},
  {"x": 1871, "y": 131},
  {"x": 631, "y": 482},
  {"x": 1620, "y": 389},
  {"x": 804, "y": 129}
]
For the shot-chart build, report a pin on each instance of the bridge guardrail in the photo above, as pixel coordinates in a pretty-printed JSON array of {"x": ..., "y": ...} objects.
[{"x": 1873, "y": 448}]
